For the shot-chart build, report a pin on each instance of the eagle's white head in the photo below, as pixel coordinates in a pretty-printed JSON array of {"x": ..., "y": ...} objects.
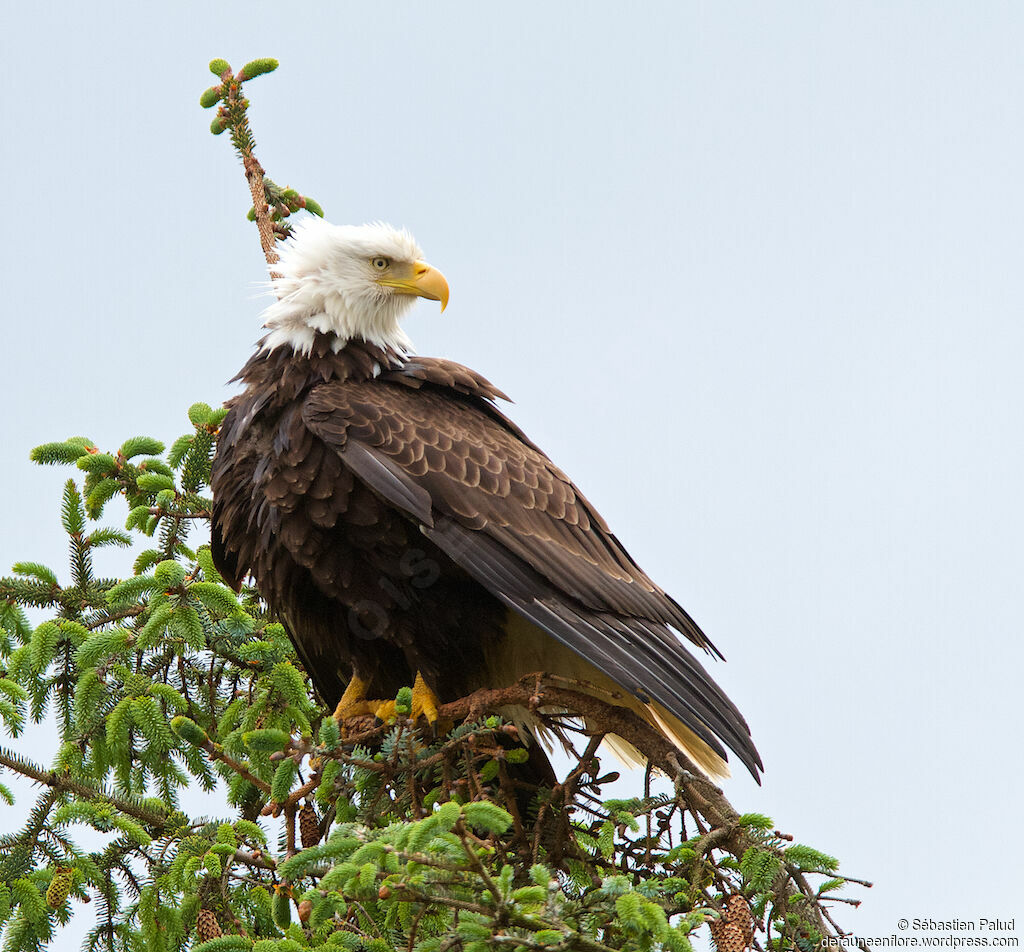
[{"x": 356, "y": 281}]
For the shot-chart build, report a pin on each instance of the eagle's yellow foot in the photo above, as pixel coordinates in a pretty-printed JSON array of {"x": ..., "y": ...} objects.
[
  {"x": 424, "y": 704},
  {"x": 353, "y": 702},
  {"x": 424, "y": 701},
  {"x": 385, "y": 711}
]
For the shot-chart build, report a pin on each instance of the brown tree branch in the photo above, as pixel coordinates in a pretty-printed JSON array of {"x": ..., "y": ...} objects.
[
  {"x": 68, "y": 784},
  {"x": 254, "y": 176}
]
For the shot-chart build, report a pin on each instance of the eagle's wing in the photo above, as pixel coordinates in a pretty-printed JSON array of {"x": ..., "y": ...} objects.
[{"x": 499, "y": 508}]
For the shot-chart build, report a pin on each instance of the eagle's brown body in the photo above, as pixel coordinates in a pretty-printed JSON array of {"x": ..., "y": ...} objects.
[
  {"x": 398, "y": 523},
  {"x": 355, "y": 582}
]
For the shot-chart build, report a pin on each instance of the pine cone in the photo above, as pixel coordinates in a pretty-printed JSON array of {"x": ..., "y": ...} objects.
[
  {"x": 309, "y": 825},
  {"x": 59, "y": 887},
  {"x": 734, "y": 930},
  {"x": 737, "y": 911},
  {"x": 727, "y": 936},
  {"x": 207, "y": 926}
]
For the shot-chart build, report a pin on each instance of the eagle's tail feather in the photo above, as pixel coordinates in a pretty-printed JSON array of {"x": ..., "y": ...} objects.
[{"x": 528, "y": 649}]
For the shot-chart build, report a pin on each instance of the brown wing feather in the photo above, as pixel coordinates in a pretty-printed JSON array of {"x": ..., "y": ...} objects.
[
  {"x": 500, "y": 508},
  {"x": 474, "y": 468}
]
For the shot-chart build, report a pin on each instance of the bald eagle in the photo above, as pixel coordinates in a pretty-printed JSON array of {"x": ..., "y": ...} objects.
[{"x": 405, "y": 531}]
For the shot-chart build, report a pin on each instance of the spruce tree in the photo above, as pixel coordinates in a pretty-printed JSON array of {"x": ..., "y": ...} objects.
[{"x": 362, "y": 837}]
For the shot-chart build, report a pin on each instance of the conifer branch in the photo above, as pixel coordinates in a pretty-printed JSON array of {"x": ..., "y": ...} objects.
[
  {"x": 106, "y": 618},
  {"x": 298, "y": 795},
  {"x": 572, "y": 940},
  {"x": 197, "y": 514},
  {"x": 232, "y": 115},
  {"x": 271, "y": 205},
  {"x": 534, "y": 691},
  {"x": 67, "y": 784},
  {"x": 251, "y": 859},
  {"x": 216, "y": 752}
]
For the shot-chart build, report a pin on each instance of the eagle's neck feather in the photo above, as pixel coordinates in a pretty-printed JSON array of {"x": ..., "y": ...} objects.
[
  {"x": 299, "y": 339},
  {"x": 283, "y": 374},
  {"x": 308, "y": 306}
]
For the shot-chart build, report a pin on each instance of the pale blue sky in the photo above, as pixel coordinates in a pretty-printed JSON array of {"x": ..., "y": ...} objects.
[{"x": 752, "y": 273}]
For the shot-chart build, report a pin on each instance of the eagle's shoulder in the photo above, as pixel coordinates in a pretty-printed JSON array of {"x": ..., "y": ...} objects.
[
  {"x": 442, "y": 389},
  {"x": 434, "y": 371}
]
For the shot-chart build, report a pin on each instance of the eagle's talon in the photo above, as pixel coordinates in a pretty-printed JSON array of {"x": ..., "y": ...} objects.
[
  {"x": 385, "y": 711},
  {"x": 353, "y": 702}
]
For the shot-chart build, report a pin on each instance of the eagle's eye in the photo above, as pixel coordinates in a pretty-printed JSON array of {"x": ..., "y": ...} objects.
[{"x": 380, "y": 263}]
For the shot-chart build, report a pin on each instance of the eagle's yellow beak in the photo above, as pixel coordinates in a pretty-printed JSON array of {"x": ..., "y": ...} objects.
[{"x": 423, "y": 281}]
